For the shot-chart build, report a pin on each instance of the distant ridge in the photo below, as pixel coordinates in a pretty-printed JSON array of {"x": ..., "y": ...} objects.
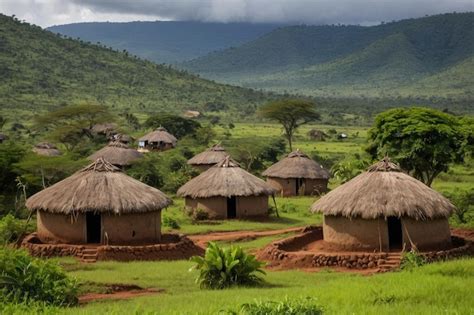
[
  {"x": 424, "y": 57},
  {"x": 166, "y": 41}
]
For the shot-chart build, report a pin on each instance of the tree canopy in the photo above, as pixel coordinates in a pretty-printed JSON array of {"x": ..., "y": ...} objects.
[
  {"x": 423, "y": 141},
  {"x": 290, "y": 113},
  {"x": 176, "y": 125}
]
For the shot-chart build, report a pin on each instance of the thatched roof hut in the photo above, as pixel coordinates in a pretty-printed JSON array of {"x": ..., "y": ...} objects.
[
  {"x": 160, "y": 140},
  {"x": 297, "y": 174},
  {"x": 385, "y": 208},
  {"x": 96, "y": 204},
  {"x": 106, "y": 129},
  {"x": 46, "y": 149},
  {"x": 227, "y": 191},
  {"x": 208, "y": 158},
  {"x": 117, "y": 153}
]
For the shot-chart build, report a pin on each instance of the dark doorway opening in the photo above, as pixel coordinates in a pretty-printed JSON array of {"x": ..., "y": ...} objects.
[
  {"x": 231, "y": 207},
  {"x": 93, "y": 224},
  {"x": 299, "y": 186},
  {"x": 395, "y": 235}
]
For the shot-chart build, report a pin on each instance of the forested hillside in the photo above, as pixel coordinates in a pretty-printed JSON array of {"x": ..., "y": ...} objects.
[
  {"x": 426, "y": 58},
  {"x": 166, "y": 41},
  {"x": 41, "y": 70}
]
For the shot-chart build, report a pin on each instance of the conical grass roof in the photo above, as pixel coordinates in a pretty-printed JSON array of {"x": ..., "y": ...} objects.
[
  {"x": 225, "y": 179},
  {"x": 99, "y": 187},
  {"x": 213, "y": 155},
  {"x": 382, "y": 191},
  {"x": 297, "y": 165},
  {"x": 159, "y": 135},
  {"x": 46, "y": 149},
  {"x": 117, "y": 153}
]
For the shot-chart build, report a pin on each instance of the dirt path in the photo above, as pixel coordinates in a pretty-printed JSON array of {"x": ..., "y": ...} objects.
[
  {"x": 118, "y": 292},
  {"x": 202, "y": 239}
]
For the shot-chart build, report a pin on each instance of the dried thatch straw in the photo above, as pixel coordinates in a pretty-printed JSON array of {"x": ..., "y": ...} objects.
[
  {"x": 159, "y": 135},
  {"x": 297, "y": 165},
  {"x": 99, "y": 187},
  {"x": 211, "y": 156},
  {"x": 117, "y": 153},
  {"x": 225, "y": 179},
  {"x": 382, "y": 191},
  {"x": 46, "y": 149}
]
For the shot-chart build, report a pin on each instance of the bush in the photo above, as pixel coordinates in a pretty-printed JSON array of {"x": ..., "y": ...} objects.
[
  {"x": 464, "y": 202},
  {"x": 199, "y": 214},
  {"x": 11, "y": 229},
  {"x": 170, "y": 222},
  {"x": 222, "y": 268},
  {"x": 288, "y": 208},
  {"x": 24, "y": 278},
  {"x": 412, "y": 259},
  {"x": 305, "y": 306}
]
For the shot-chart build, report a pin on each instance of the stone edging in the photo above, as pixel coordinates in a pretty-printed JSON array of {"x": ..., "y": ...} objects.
[{"x": 177, "y": 247}]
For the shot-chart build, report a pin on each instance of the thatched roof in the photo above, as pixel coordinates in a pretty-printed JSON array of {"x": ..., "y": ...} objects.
[
  {"x": 159, "y": 135},
  {"x": 297, "y": 165},
  {"x": 46, "y": 149},
  {"x": 211, "y": 156},
  {"x": 225, "y": 179},
  {"x": 99, "y": 187},
  {"x": 105, "y": 128},
  {"x": 382, "y": 191},
  {"x": 117, "y": 153}
]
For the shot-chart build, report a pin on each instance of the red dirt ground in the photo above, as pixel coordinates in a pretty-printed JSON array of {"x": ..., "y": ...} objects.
[
  {"x": 203, "y": 239},
  {"x": 118, "y": 292}
]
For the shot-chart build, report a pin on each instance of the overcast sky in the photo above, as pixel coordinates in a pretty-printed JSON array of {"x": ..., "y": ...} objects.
[{"x": 52, "y": 12}]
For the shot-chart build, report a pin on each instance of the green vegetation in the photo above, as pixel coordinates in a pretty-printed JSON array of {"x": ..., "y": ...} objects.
[
  {"x": 225, "y": 267},
  {"x": 412, "y": 259},
  {"x": 423, "y": 141},
  {"x": 12, "y": 228},
  {"x": 408, "y": 59},
  {"x": 24, "y": 279},
  {"x": 291, "y": 114},
  {"x": 41, "y": 70},
  {"x": 305, "y": 306}
]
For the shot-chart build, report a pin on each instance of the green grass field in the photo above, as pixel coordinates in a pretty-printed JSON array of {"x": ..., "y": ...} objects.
[{"x": 441, "y": 288}]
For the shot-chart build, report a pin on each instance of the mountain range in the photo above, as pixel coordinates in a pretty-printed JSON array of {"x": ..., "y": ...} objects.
[
  {"x": 425, "y": 57},
  {"x": 41, "y": 70},
  {"x": 166, "y": 41}
]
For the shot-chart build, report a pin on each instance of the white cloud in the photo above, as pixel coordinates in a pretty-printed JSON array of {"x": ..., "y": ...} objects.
[{"x": 49, "y": 12}]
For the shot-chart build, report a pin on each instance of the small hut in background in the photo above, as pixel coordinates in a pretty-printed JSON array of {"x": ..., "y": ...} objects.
[
  {"x": 105, "y": 129},
  {"x": 158, "y": 140},
  {"x": 317, "y": 135},
  {"x": 117, "y": 153},
  {"x": 46, "y": 149},
  {"x": 205, "y": 160},
  {"x": 3, "y": 137},
  {"x": 122, "y": 138},
  {"x": 297, "y": 174},
  {"x": 99, "y": 204},
  {"x": 385, "y": 209},
  {"x": 226, "y": 191}
]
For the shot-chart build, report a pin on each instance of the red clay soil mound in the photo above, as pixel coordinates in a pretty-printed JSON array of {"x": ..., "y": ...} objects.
[
  {"x": 118, "y": 292},
  {"x": 464, "y": 233}
]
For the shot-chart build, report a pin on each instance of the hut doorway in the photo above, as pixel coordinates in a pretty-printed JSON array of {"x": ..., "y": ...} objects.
[
  {"x": 93, "y": 226},
  {"x": 299, "y": 186},
  {"x": 395, "y": 236},
  {"x": 231, "y": 207}
]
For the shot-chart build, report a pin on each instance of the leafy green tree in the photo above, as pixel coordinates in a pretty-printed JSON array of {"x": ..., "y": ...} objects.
[
  {"x": 10, "y": 154},
  {"x": 176, "y": 125},
  {"x": 3, "y": 121},
  {"x": 349, "y": 168},
  {"x": 423, "y": 141},
  {"x": 71, "y": 124},
  {"x": 290, "y": 113}
]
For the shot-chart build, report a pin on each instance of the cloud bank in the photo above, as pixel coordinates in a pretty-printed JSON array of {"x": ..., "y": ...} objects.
[{"x": 365, "y": 12}]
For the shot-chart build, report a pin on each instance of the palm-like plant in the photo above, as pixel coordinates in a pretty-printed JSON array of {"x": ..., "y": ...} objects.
[{"x": 221, "y": 268}]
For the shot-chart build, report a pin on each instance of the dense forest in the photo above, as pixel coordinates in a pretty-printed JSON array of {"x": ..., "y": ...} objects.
[
  {"x": 166, "y": 41},
  {"x": 41, "y": 70},
  {"x": 431, "y": 58}
]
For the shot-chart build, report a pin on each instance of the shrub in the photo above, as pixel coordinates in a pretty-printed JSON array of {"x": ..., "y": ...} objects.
[
  {"x": 222, "y": 268},
  {"x": 464, "y": 202},
  {"x": 170, "y": 222},
  {"x": 304, "y": 306},
  {"x": 288, "y": 208},
  {"x": 198, "y": 214},
  {"x": 24, "y": 278},
  {"x": 412, "y": 259},
  {"x": 11, "y": 229}
]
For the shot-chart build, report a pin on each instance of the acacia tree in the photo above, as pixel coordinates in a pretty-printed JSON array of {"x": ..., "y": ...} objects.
[
  {"x": 423, "y": 141},
  {"x": 290, "y": 113}
]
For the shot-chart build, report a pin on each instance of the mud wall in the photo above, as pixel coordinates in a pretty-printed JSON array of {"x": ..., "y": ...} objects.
[
  {"x": 431, "y": 234},
  {"x": 132, "y": 228},
  {"x": 60, "y": 228},
  {"x": 287, "y": 186}
]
